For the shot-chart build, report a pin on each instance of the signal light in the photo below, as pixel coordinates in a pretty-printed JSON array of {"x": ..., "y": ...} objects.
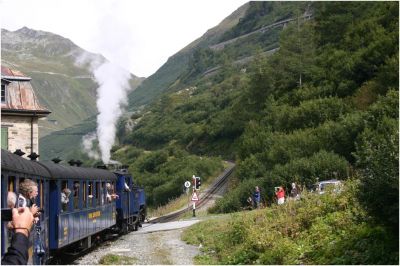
[{"x": 198, "y": 182}]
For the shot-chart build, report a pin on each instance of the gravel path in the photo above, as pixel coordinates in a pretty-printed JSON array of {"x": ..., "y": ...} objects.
[{"x": 152, "y": 244}]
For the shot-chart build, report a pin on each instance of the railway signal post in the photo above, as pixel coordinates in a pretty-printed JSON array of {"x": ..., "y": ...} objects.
[
  {"x": 196, "y": 186},
  {"x": 194, "y": 199}
]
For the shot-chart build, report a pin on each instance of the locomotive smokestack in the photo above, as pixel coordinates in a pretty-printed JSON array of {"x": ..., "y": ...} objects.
[{"x": 78, "y": 163}]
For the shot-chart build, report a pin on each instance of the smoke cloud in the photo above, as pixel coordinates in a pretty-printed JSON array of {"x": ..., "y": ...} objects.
[
  {"x": 87, "y": 143},
  {"x": 111, "y": 97}
]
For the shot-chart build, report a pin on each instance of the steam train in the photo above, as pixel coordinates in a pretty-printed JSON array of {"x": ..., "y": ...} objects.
[{"x": 88, "y": 217}]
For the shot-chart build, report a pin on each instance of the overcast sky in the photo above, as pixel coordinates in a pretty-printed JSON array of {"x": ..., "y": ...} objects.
[{"x": 137, "y": 35}]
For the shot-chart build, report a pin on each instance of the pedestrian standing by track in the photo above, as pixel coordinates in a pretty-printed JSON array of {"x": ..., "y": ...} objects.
[
  {"x": 280, "y": 195},
  {"x": 257, "y": 197}
]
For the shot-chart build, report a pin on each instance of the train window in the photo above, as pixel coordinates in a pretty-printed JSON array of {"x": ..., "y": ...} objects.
[
  {"x": 19, "y": 181},
  {"x": 98, "y": 194},
  {"x": 90, "y": 194},
  {"x": 46, "y": 202},
  {"x": 41, "y": 191},
  {"x": 84, "y": 194},
  {"x": 102, "y": 194},
  {"x": 11, "y": 183},
  {"x": 76, "y": 195},
  {"x": 65, "y": 193}
]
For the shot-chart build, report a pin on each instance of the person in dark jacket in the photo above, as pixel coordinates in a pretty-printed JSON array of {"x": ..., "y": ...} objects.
[
  {"x": 17, "y": 253},
  {"x": 257, "y": 197}
]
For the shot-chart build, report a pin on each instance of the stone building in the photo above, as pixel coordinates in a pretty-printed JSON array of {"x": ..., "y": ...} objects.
[{"x": 20, "y": 112}]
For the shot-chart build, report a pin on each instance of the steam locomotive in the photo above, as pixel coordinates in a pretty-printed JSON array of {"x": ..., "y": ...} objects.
[{"x": 88, "y": 217}]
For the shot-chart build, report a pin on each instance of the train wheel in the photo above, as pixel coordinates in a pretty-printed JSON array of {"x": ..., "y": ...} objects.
[
  {"x": 135, "y": 227},
  {"x": 125, "y": 228}
]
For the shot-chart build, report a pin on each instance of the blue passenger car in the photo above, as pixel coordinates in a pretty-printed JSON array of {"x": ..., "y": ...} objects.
[
  {"x": 72, "y": 223},
  {"x": 14, "y": 170},
  {"x": 76, "y": 224}
]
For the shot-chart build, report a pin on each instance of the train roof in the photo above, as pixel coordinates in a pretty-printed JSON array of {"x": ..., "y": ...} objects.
[
  {"x": 13, "y": 162},
  {"x": 64, "y": 172}
]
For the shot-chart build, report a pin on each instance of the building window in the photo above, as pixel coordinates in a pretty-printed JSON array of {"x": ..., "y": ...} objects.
[
  {"x": 3, "y": 93},
  {"x": 4, "y": 138}
]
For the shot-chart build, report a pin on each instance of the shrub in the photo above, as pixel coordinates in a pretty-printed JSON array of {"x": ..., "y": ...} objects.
[{"x": 377, "y": 156}]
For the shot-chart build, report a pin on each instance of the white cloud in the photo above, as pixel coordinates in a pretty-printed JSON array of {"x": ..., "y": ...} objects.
[{"x": 137, "y": 35}]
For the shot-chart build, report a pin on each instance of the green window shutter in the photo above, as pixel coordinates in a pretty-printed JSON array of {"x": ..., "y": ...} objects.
[{"x": 4, "y": 138}]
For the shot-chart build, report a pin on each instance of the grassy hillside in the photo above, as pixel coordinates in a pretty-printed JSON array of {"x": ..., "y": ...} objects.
[
  {"x": 320, "y": 229},
  {"x": 66, "y": 144}
]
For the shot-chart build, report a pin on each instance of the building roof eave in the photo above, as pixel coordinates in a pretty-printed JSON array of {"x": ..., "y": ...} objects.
[{"x": 18, "y": 112}]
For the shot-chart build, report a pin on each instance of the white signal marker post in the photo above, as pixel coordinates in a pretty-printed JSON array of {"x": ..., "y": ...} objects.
[{"x": 187, "y": 186}]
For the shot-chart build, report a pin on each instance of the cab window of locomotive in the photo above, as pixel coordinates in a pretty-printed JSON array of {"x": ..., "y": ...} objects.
[
  {"x": 90, "y": 194},
  {"x": 76, "y": 195},
  {"x": 98, "y": 193}
]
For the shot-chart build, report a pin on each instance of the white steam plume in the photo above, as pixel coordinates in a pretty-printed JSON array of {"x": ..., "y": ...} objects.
[
  {"x": 87, "y": 143},
  {"x": 112, "y": 92},
  {"x": 109, "y": 34},
  {"x": 111, "y": 97}
]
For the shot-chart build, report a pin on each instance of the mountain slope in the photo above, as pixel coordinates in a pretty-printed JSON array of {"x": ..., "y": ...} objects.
[
  {"x": 246, "y": 22},
  {"x": 177, "y": 64},
  {"x": 64, "y": 87}
]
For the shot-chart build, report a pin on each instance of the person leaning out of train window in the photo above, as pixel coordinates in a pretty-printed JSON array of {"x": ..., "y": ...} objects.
[
  {"x": 17, "y": 253},
  {"x": 65, "y": 193},
  {"x": 28, "y": 191},
  {"x": 110, "y": 193}
]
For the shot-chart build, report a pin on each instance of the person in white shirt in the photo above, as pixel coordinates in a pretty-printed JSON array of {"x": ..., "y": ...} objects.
[
  {"x": 110, "y": 193},
  {"x": 28, "y": 191},
  {"x": 65, "y": 198}
]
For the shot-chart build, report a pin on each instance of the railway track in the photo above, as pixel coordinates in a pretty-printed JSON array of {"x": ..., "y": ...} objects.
[{"x": 205, "y": 197}]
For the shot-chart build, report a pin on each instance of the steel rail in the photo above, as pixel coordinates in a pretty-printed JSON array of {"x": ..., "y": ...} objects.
[{"x": 208, "y": 194}]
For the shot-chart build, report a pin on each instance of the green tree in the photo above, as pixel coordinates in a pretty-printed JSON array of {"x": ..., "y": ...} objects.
[{"x": 377, "y": 153}]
